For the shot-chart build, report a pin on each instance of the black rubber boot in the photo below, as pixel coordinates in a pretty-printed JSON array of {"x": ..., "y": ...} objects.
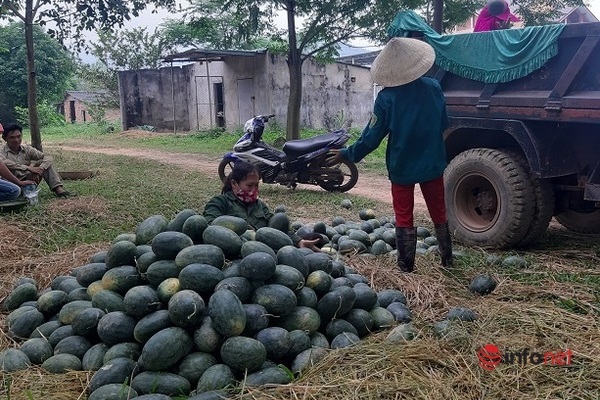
[
  {"x": 444, "y": 241},
  {"x": 406, "y": 245}
]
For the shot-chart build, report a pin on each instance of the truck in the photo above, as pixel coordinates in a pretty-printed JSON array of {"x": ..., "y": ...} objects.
[{"x": 524, "y": 151}]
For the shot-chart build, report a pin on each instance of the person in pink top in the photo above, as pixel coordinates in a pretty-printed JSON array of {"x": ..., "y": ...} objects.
[{"x": 495, "y": 15}]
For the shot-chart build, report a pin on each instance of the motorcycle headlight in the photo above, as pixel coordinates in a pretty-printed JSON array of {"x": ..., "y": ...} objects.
[{"x": 243, "y": 145}]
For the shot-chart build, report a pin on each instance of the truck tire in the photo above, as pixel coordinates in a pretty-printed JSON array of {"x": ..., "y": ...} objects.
[
  {"x": 543, "y": 204},
  {"x": 580, "y": 221},
  {"x": 542, "y": 213},
  {"x": 489, "y": 198}
]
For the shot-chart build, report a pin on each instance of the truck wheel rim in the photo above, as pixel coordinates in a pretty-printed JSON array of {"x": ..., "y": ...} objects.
[{"x": 476, "y": 203}]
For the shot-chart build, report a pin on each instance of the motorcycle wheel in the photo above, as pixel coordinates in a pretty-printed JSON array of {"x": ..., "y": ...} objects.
[
  {"x": 225, "y": 167},
  {"x": 349, "y": 177}
]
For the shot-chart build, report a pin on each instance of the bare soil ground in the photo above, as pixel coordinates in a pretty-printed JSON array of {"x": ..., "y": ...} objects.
[{"x": 372, "y": 186}]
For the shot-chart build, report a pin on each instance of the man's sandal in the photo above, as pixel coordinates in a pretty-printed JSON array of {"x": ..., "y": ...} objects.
[{"x": 65, "y": 194}]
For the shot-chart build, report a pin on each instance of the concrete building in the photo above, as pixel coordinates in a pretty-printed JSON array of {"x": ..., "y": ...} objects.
[
  {"x": 223, "y": 88},
  {"x": 79, "y": 106}
]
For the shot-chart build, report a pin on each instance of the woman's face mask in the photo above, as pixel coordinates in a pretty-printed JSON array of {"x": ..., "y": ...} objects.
[
  {"x": 247, "y": 196},
  {"x": 246, "y": 190}
]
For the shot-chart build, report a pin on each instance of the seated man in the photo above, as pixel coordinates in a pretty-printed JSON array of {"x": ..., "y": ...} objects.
[
  {"x": 10, "y": 191},
  {"x": 28, "y": 163}
]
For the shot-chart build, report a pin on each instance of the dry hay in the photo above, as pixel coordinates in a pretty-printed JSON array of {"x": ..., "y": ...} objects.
[
  {"x": 77, "y": 207},
  {"x": 514, "y": 317},
  {"x": 14, "y": 240},
  {"x": 35, "y": 383},
  {"x": 44, "y": 268}
]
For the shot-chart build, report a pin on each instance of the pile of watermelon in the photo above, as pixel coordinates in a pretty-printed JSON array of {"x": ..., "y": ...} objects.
[{"x": 181, "y": 307}]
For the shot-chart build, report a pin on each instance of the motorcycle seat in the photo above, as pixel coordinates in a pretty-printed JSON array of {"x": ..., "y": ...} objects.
[{"x": 303, "y": 146}]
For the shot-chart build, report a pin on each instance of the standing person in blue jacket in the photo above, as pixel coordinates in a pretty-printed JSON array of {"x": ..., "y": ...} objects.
[{"x": 411, "y": 112}]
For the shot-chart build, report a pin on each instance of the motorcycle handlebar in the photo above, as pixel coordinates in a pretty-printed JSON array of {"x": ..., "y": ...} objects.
[{"x": 265, "y": 118}]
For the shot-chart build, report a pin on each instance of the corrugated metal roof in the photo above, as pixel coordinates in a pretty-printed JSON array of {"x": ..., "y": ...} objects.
[
  {"x": 86, "y": 96},
  {"x": 211, "y": 55}
]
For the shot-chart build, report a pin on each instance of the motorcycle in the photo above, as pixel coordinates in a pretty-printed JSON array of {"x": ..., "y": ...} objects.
[{"x": 306, "y": 161}]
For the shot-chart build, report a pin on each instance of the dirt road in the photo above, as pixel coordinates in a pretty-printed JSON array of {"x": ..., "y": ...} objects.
[{"x": 372, "y": 186}]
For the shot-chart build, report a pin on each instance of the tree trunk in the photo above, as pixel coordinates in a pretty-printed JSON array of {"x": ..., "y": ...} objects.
[
  {"x": 438, "y": 11},
  {"x": 295, "y": 100},
  {"x": 34, "y": 122},
  {"x": 294, "y": 62}
]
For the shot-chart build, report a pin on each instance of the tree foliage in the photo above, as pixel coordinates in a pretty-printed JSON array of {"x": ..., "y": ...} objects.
[
  {"x": 130, "y": 48},
  {"x": 119, "y": 50},
  {"x": 70, "y": 19},
  {"x": 542, "y": 12},
  {"x": 54, "y": 69},
  {"x": 216, "y": 24}
]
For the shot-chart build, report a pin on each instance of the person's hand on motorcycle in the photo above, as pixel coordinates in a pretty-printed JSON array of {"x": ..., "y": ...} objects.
[
  {"x": 311, "y": 244},
  {"x": 335, "y": 156}
]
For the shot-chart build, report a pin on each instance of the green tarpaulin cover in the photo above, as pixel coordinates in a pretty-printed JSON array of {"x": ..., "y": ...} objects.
[{"x": 490, "y": 57}]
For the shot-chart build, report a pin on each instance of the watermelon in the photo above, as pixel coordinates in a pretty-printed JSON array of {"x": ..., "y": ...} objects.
[
  {"x": 61, "y": 363},
  {"x": 194, "y": 365},
  {"x": 227, "y": 313},
  {"x": 76, "y": 345},
  {"x": 165, "y": 349},
  {"x": 117, "y": 370},
  {"x": 257, "y": 266},
  {"x": 151, "y": 324},
  {"x": 201, "y": 278},
  {"x": 121, "y": 279},
  {"x": 130, "y": 350},
  {"x": 271, "y": 375},
  {"x": 280, "y": 221},
  {"x": 186, "y": 309},
  {"x": 236, "y": 224},
  {"x": 277, "y": 299},
  {"x": 176, "y": 224},
  {"x": 240, "y": 286},
  {"x": 116, "y": 327},
  {"x": 201, "y": 254},
  {"x": 243, "y": 353},
  {"x": 277, "y": 342},
  {"x": 166, "y": 245},
  {"x": 219, "y": 376},
  {"x": 12, "y": 360},
  {"x": 93, "y": 359},
  {"x": 206, "y": 337},
  {"x": 113, "y": 391},
  {"x": 121, "y": 253},
  {"x": 140, "y": 301},
  {"x": 194, "y": 227},
  {"x": 274, "y": 238},
  {"x": 161, "y": 382},
  {"x": 37, "y": 350},
  {"x": 21, "y": 294},
  {"x": 149, "y": 228},
  {"x": 301, "y": 318}
]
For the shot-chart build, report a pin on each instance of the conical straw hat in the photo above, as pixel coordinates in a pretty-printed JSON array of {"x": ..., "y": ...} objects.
[{"x": 401, "y": 61}]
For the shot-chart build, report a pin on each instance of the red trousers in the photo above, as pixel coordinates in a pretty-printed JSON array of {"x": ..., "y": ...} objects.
[{"x": 404, "y": 202}]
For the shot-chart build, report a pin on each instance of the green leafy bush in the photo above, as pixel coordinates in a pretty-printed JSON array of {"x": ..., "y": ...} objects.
[{"x": 47, "y": 115}]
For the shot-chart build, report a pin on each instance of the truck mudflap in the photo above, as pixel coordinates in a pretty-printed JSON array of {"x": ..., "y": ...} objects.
[{"x": 591, "y": 191}]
